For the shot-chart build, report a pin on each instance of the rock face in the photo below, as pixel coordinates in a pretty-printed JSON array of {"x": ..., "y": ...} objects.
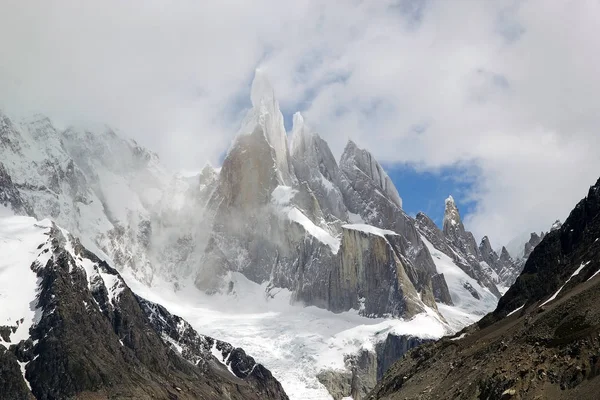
[
  {"x": 371, "y": 277},
  {"x": 91, "y": 336},
  {"x": 479, "y": 262},
  {"x": 366, "y": 368},
  {"x": 454, "y": 231},
  {"x": 315, "y": 165},
  {"x": 362, "y": 170},
  {"x": 12, "y": 385},
  {"x": 534, "y": 240},
  {"x": 371, "y": 198},
  {"x": 546, "y": 325}
]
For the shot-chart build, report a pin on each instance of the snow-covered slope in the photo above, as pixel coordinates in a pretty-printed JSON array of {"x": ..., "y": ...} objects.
[
  {"x": 19, "y": 241},
  {"x": 72, "y": 325},
  {"x": 109, "y": 191},
  {"x": 492, "y": 271},
  {"x": 471, "y": 300},
  {"x": 294, "y": 342}
]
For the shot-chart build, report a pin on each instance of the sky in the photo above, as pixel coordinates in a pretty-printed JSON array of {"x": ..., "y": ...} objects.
[{"x": 495, "y": 102}]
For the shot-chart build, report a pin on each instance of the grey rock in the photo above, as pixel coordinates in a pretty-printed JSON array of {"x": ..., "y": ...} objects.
[
  {"x": 314, "y": 164},
  {"x": 533, "y": 241},
  {"x": 459, "y": 245},
  {"x": 440, "y": 289},
  {"x": 10, "y": 196},
  {"x": 372, "y": 278},
  {"x": 366, "y": 368}
]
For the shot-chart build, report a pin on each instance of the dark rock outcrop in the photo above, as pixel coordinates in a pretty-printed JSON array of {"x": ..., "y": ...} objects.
[
  {"x": 533, "y": 241},
  {"x": 198, "y": 349},
  {"x": 12, "y": 385},
  {"x": 96, "y": 339},
  {"x": 558, "y": 256},
  {"x": 440, "y": 289},
  {"x": 10, "y": 196}
]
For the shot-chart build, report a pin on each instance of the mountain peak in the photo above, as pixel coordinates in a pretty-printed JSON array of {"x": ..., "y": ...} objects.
[
  {"x": 298, "y": 120},
  {"x": 504, "y": 254},
  {"x": 208, "y": 172},
  {"x": 300, "y": 136},
  {"x": 350, "y": 146},
  {"x": 262, "y": 90},
  {"x": 485, "y": 246},
  {"x": 451, "y": 213},
  {"x": 265, "y": 118},
  {"x": 556, "y": 225},
  {"x": 356, "y": 158}
]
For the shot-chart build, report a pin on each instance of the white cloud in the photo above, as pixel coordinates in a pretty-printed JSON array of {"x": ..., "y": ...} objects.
[{"x": 509, "y": 87}]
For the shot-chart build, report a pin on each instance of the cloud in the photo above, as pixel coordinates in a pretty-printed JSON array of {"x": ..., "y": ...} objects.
[{"x": 508, "y": 89}]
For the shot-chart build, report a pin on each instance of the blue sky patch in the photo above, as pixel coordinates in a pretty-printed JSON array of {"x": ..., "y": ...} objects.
[{"x": 426, "y": 191}]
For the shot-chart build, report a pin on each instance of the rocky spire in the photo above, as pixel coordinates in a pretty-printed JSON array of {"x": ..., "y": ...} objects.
[
  {"x": 356, "y": 159},
  {"x": 534, "y": 240},
  {"x": 300, "y": 137},
  {"x": 463, "y": 242},
  {"x": 315, "y": 165},
  {"x": 266, "y": 117},
  {"x": 454, "y": 229},
  {"x": 503, "y": 265},
  {"x": 308, "y": 146},
  {"x": 262, "y": 91},
  {"x": 505, "y": 256},
  {"x": 487, "y": 252},
  {"x": 208, "y": 174},
  {"x": 452, "y": 219}
]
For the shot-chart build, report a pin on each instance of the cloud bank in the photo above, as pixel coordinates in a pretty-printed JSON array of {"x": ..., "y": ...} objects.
[{"x": 507, "y": 90}]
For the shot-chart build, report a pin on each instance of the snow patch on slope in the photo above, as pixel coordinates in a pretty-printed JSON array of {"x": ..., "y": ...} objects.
[
  {"x": 369, "y": 229},
  {"x": 515, "y": 310},
  {"x": 464, "y": 302},
  {"x": 577, "y": 271},
  {"x": 282, "y": 197},
  {"x": 19, "y": 241},
  {"x": 321, "y": 234}
]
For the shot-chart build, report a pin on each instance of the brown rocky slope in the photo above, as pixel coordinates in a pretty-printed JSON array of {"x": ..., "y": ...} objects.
[{"x": 542, "y": 341}]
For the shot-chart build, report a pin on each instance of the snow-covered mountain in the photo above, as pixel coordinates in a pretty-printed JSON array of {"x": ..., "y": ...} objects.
[
  {"x": 70, "y": 325},
  {"x": 281, "y": 211}
]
